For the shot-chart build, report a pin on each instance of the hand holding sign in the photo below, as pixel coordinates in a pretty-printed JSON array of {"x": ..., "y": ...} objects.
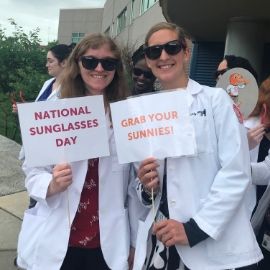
[
  {"x": 148, "y": 175},
  {"x": 62, "y": 178}
]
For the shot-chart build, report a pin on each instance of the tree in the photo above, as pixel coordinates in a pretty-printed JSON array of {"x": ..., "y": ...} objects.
[{"x": 22, "y": 69}]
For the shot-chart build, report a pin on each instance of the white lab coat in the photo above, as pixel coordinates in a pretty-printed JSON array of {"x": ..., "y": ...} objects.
[
  {"x": 210, "y": 188},
  {"x": 43, "y": 239}
]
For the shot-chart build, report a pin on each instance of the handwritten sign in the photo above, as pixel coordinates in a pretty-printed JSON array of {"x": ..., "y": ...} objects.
[
  {"x": 64, "y": 130},
  {"x": 156, "y": 125}
]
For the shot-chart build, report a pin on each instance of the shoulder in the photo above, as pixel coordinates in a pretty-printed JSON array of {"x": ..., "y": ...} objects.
[{"x": 212, "y": 94}]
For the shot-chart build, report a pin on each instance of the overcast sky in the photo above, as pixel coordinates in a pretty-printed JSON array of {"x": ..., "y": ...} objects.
[{"x": 44, "y": 14}]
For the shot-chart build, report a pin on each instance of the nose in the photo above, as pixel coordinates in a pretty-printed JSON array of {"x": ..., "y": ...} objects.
[
  {"x": 99, "y": 67},
  {"x": 164, "y": 55}
]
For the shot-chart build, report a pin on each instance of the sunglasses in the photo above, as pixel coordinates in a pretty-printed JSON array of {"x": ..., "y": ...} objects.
[
  {"x": 171, "y": 48},
  {"x": 219, "y": 73},
  {"x": 90, "y": 63},
  {"x": 146, "y": 74}
]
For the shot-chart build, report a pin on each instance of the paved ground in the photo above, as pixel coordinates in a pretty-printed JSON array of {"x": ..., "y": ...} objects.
[{"x": 13, "y": 201}]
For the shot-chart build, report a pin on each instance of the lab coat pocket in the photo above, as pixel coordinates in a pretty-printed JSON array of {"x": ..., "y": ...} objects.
[
  {"x": 202, "y": 133},
  {"x": 31, "y": 229}
]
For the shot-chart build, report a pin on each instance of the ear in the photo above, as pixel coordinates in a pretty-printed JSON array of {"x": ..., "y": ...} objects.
[
  {"x": 64, "y": 63},
  {"x": 187, "y": 54}
]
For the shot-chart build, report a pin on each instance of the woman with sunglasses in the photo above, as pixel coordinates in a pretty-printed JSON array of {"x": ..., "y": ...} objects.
[
  {"x": 200, "y": 220},
  {"x": 99, "y": 236},
  {"x": 142, "y": 75}
]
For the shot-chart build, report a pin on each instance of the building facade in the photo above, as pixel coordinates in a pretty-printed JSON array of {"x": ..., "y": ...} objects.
[
  {"x": 129, "y": 20},
  {"x": 74, "y": 24},
  {"x": 223, "y": 27}
]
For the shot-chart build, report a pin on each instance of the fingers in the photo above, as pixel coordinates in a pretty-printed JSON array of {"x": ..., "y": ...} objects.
[
  {"x": 14, "y": 108},
  {"x": 61, "y": 179},
  {"x": 148, "y": 174},
  {"x": 163, "y": 234},
  {"x": 255, "y": 135},
  {"x": 170, "y": 232},
  {"x": 62, "y": 172}
]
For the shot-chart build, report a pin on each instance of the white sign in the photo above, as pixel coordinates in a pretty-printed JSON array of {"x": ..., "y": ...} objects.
[
  {"x": 156, "y": 125},
  {"x": 64, "y": 130}
]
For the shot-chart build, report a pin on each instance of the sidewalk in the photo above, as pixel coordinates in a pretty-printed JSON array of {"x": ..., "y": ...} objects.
[
  {"x": 11, "y": 213},
  {"x": 13, "y": 201}
]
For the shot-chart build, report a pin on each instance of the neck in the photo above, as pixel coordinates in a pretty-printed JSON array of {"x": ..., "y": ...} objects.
[
  {"x": 182, "y": 83},
  {"x": 56, "y": 84}
]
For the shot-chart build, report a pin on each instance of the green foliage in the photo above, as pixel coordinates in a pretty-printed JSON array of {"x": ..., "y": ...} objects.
[{"x": 22, "y": 68}]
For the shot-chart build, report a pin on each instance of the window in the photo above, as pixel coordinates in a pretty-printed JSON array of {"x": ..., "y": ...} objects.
[
  {"x": 146, "y": 4},
  {"x": 107, "y": 31},
  {"x": 132, "y": 11},
  {"x": 121, "y": 21},
  {"x": 76, "y": 37}
]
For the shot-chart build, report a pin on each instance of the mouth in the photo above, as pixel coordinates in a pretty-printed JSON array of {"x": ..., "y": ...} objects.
[
  {"x": 165, "y": 66},
  {"x": 98, "y": 76}
]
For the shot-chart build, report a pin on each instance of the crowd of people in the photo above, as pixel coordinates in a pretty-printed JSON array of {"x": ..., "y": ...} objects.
[{"x": 179, "y": 213}]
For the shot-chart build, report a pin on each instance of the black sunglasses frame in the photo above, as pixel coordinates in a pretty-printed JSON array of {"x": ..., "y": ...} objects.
[
  {"x": 146, "y": 74},
  {"x": 172, "y": 48},
  {"x": 91, "y": 62}
]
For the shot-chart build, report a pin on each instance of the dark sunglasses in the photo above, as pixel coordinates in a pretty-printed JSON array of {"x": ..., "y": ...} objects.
[
  {"x": 146, "y": 74},
  {"x": 219, "y": 73},
  {"x": 90, "y": 63},
  {"x": 171, "y": 48}
]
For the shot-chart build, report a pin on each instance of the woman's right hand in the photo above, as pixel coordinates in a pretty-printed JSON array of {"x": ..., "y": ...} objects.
[
  {"x": 255, "y": 136},
  {"x": 14, "y": 108},
  {"x": 62, "y": 178},
  {"x": 148, "y": 174}
]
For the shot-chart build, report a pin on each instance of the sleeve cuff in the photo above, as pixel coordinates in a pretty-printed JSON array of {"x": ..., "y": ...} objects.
[{"x": 194, "y": 234}]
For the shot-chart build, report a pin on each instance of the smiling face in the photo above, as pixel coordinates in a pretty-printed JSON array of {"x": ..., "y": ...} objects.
[
  {"x": 53, "y": 65},
  {"x": 142, "y": 83},
  {"x": 169, "y": 69},
  {"x": 98, "y": 79}
]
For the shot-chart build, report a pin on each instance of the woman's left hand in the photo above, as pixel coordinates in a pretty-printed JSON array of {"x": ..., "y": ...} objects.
[{"x": 170, "y": 232}]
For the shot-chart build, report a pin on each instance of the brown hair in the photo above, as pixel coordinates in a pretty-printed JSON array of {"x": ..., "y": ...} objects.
[
  {"x": 182, "y": 35},
  {"x": 72, "y": 84},
  {"x": 264, "y": 98}
]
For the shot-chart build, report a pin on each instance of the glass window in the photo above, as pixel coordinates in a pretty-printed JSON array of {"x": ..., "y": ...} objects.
[
  {"x": 107, "y": 31},
  {"x": 76, "y": 37},
  {"x": 132, "y": 11},
  {"x": 146, "y": 4},
  {"x": 121, "y": 21}
]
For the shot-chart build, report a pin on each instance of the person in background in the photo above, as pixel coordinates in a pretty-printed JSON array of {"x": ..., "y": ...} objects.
[
  {"x": 200, "y": 220},
  {"x": 232, "y": 61},
  {"x": 254, "y": 128},
  {"x": 98, "y": 189},
  {"x": 260, "y": 172},
  {"x": 142, "y": 76},
  {"x": 56, "y": 62}
]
